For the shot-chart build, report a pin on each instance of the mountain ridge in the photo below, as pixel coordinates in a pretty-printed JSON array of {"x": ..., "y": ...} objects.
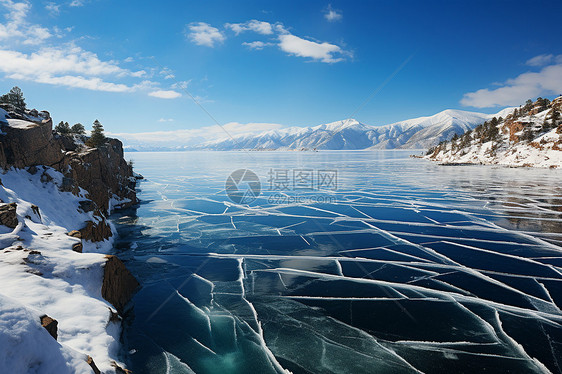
[{"x": 416, "y": 133}]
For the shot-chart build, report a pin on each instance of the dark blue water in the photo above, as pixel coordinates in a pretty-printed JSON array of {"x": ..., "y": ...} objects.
[{"x": 403, "y": 266}]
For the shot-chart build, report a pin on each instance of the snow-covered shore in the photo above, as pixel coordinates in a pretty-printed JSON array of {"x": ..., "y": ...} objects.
[
  {"x": 41, "y": 275},
  {"x": 531, "y": 139}
]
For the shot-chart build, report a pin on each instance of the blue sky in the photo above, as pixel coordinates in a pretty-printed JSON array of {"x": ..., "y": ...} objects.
[{"x": 267, "y": 64}]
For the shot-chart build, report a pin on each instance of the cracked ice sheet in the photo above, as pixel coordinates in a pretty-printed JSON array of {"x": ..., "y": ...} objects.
[{"x": 395, "y": 245}]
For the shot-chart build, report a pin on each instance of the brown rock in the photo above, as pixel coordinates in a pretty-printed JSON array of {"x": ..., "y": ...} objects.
[
  {"x": 119, "y": 369},
  {"x": 119, "y": 284},
  {"x": 8, "y": 216},
  {"x": 96, "y": 232},
  {"x": 31, "y": 145},
  {"x": 514, "y": 127},
  {"x": 35, "y": 210},
  {"x": 78, "y": 247},
  {"x": 90, "y": 361},
  {"x": 51, "y": 325},
  {"x": 103, "y": 171},
  {"x": 75, "y": 234}
]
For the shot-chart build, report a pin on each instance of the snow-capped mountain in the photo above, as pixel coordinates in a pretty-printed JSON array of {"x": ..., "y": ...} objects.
[{"x": 416, "y": 133}]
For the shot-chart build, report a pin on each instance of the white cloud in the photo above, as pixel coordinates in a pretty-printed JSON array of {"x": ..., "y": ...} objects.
[
  {"x": 515, "y": 91},
  {"x": 57, "y": 61},
  {"x": 69, "y": 67},
  {"x": 257, "y": 45},
  {"x": 542, "y": 60},
  {"x": 36, "y": 35},
  {"x": 324, "y": 52},
  {"x": 332, "y": 15},
  {"x": 260, "y": 27},
  {"x": 165, "y": 94},
  {"x": 53, "y": 9},
  {"x": 129, "y": 59},
  {"x": 182, "y": 85},
  {"x": 202, "y": 33},
  {"x": 94, "y": 84},
  {"x": 16, "y": 25},
  {"x": 77, "y": 3},
  {"x": 194, "y": 136},
  {"x": 166, "y": 120},
  {"x": 65, "y": 64}
]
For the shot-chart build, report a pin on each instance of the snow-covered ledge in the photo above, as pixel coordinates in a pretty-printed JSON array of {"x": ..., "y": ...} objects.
[{"x": 41, "y": 274}]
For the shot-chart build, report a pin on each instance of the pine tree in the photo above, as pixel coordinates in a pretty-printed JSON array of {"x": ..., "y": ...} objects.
[
  {"x": 528, "y": 105},
  {"x": 15, "y": 98},
  {"x": 78, "y": 129},
  {"x": 62, "y": 128},
  {"x": 97, "y": 138}
]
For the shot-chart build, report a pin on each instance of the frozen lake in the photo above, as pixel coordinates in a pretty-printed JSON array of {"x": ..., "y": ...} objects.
[{"x": 347, "y": 262}]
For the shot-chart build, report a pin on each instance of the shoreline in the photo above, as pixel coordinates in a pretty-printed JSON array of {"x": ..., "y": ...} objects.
[{"x": 62, "y": 287}]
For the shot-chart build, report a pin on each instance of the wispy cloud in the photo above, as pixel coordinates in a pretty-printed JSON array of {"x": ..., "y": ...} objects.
[
  {"x": 542, "y": 60},
  {"x": 260, "y": 27},
  {"x": 166, "y": 120},
  {"x": 202, "y": 33},
  {"x": 332, "y": 15},
  {"x": 64, "y": 65},
  {"x": 16, "y": 26},
  {"x": 514, "y": 91},
  {"x": 165, "y": 94},
  {"x": 257, "y": 45},
  {"x": 53, "y": 9},
  {"x": 77, "y": 3},
  {"x": 324, "y": 52}
]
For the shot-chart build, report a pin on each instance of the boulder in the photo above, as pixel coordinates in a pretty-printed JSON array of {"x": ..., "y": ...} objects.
[
  {"x": 119, "y": 284},
  {"x": 96, "y": 232},
  {"x": 8, "y": 216},
  {"x": 90, "y": 361},
  {"x": 23, "y": 146},
  {"x": 78, "y": 247},
  {"x": 75, "y": 234},
  {"x": 51, "y": 325}
]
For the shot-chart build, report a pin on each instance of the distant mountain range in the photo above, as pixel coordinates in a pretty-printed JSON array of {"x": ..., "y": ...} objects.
[{"x": 417, "y": 133}]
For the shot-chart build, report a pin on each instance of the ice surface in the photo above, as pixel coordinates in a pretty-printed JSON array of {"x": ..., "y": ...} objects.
[{"x": 457, "y": 272}]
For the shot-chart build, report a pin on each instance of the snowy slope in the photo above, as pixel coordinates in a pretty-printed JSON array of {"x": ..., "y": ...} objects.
[
  {"x": 41, "y": 274},
  {"x": 417, "y": 133},
  {"x": 25, "y": 346},
  {"x": 510, "y": 148}
]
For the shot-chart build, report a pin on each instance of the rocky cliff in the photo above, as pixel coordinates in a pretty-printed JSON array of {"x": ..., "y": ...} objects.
[
  {"x": 102, "y": 171},
  {"x": 54, "y": 204}
]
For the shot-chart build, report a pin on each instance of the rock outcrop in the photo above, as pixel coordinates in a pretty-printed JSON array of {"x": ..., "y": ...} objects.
[
  {"x": 95, "y": 232},
  {"x": 119, "y": 284},
  {"x": 8, "y": 216},
  {"x": 51, "y": 325},
  {"x": 90, "y": 361},
  {"x": 27, "y": 141},
  {"x": 103, "y": 172}
]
